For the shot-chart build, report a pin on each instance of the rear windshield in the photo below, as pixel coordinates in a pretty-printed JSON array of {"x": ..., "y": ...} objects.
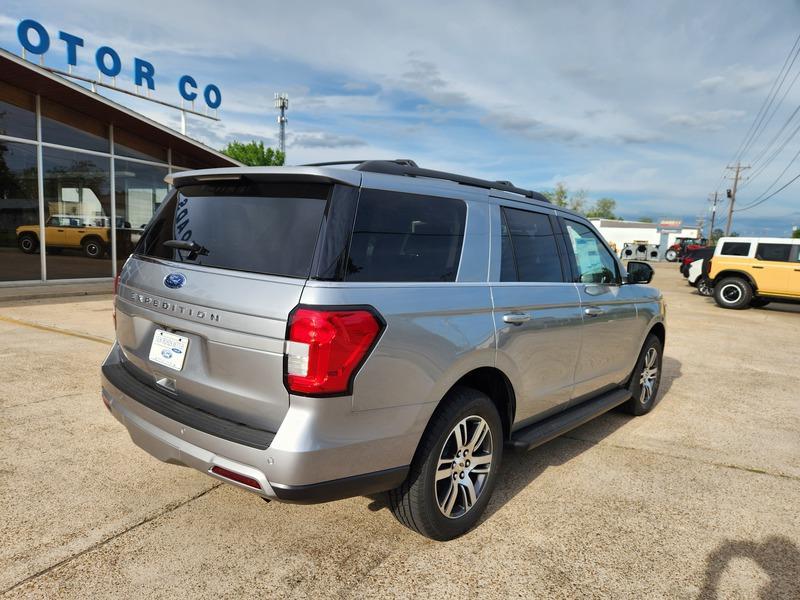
[{"x": 268, "y": 228}]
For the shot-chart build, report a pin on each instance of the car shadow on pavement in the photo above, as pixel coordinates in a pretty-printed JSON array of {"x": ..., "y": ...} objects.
[
  {"x": 777, "y": 556},
  {"x": 520, "y": 469}
]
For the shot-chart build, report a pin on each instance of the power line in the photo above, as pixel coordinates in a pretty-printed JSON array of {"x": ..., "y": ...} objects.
[
  {"x": 775, "y": 154},
  {"x": 780, "y": 189},
  {"x": 766, "y": 148},
  {"x": 765, "y": 106},
  {"x": 776, "y": 180}
]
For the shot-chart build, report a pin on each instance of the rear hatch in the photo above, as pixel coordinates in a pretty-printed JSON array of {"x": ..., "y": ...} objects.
[{"x": 214, "y": 278}]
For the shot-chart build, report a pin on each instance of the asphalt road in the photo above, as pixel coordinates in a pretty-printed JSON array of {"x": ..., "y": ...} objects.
[{"x": 698, "y": 499}]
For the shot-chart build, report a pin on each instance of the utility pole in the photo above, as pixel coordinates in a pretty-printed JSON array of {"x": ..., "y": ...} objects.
[
  {"x": 713, "y": 214},
  {"x": 732, "y": 194},
  {"x": 282, "y": 104}
]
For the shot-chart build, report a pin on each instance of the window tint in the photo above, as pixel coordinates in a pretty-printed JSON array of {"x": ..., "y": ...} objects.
[
  {"x": 528, "y": 250},
  {"x": 795, "y": 256},
  {"x": 777, "y": 252},
  {"x": 404, "y": 237},
  {"x": 260, "y": 228},
  {"x": 594, "y": 262},
  {"x": 735, "y": 248}
]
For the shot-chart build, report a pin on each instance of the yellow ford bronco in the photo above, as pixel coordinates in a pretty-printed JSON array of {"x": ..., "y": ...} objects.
[
  {"x": 90, "y": 234},
  {"x": 749, "y": 272}
]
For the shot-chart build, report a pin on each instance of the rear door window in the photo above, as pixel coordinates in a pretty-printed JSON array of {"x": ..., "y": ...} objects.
[
  {"x": 406, "y": 237},
  {"x": 528, "y": 248},
  {"x": 735, "y": 249},
  {"x": 268, "y": 228},
  {"x": 774, "y": 252}
]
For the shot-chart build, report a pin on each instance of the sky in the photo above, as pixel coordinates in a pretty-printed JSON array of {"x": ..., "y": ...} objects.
[{"x": 642, "y": 102}]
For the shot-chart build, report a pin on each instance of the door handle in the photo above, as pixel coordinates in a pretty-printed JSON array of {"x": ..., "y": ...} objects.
[
  {"x": 516, "y": 318},
  {"x": 593, "y": 311},
  {"x": 755, "y": 267}
]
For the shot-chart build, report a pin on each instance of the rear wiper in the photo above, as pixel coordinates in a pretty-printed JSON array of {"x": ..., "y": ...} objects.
[{"x": 192, "y": 247}]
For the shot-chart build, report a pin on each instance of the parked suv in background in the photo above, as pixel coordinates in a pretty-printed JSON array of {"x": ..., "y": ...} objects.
[
  {"x": 748, "y": 272},
  {"x": 92, "y": 235},
  {"x": 313, "y": 333}
]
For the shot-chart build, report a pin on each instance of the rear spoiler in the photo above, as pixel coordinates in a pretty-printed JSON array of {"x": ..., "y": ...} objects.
[{"x": 307, "y": 174}]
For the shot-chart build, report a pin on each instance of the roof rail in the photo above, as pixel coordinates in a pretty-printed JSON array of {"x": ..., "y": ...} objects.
[{"x": 409, "y": 168}]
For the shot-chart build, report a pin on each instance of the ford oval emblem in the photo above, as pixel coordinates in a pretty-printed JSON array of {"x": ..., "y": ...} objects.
[{"x": 174, "y": 281}]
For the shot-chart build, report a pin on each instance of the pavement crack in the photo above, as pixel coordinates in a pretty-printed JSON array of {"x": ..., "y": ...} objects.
[
  {"x": 712, "y": 463},
  {"x": 168, "y": 509},
  {"x": 50, "y": 328}
]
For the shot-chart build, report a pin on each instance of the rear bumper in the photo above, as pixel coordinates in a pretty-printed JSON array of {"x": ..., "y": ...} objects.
[{"x": 322, "y": 451}]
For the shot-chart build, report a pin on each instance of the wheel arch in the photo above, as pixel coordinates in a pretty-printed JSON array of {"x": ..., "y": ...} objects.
[
  {"x": 659, "y": 331},
  {"x": 497, "y": 386},
  {"x": 92, "y": 236},
  {"x": 735, "y": 273},
  {"x": 28, "y": 232}
]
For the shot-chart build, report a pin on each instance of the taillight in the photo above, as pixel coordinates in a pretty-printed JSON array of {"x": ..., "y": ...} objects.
[{"x": 325, "y": 348}]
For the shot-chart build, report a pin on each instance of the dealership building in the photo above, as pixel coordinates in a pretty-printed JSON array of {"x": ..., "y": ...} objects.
[{"x": 80, "y": 176}]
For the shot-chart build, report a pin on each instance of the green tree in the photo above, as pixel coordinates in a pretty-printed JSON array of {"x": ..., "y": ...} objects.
[
  {"x": 577, "y": 202},
  {"x": 796, "y": 233},
  {"x": 558, "y": 196},
  {"x": 603, "y": 209},
  {"x": 646, "y": 220},
  {"x": 254, "y": 154}
]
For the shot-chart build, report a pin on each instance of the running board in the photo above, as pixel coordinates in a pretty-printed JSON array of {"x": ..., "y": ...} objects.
[{"x": 552, "y": 427}]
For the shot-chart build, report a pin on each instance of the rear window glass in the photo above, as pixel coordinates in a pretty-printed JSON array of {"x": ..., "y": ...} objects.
[
  {"x": 777, "y": 252},
  {"x": 735, "y": 248},
  {"x": 528, "y": 250},
  {"x": 405, "y": 237},
  {"x": 268, "y": 228}
]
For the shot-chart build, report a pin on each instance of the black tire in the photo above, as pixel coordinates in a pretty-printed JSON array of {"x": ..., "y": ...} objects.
[
  {"x": 734, "y": 293},
  {"x": 93, "y": 248},
  {"x": 671, "y": 255},
  {"x": 416, "y": 503},
  {"x": 642, "y": 400},
  {"x": 759, "y": 302},
  {"x": 28, "y": 243},
  {"x": 704, "y": 287}
]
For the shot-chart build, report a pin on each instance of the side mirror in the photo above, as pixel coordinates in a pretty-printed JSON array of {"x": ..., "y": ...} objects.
[{"x": 639, "y": 272}]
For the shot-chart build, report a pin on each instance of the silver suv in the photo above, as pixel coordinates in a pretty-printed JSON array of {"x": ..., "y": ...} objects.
[{"x": 313, "y": 333}]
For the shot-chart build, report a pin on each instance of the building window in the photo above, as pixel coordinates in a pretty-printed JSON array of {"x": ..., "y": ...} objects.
[
  {"x": 132, "y": 146},
  {"x": 67, "y": 127},
  {"x": 19, "y": 213},
  {"x": 17, "y": 112},
  {"x": 139, "y": 191},
  {"x": 77, "y": 204}
]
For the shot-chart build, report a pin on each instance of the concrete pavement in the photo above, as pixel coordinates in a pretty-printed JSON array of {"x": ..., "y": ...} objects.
[{"x": 697, "y": 499}]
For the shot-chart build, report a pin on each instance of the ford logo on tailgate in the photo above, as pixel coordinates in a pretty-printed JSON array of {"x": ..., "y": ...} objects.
[{"x": 174, "y": 280}]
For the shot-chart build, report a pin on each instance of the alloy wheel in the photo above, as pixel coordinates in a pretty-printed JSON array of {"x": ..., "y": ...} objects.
[
  {"x": 731, "y": 293},
  {"x": 463, "y": 468},
  {"x": 647, "y": 380}
]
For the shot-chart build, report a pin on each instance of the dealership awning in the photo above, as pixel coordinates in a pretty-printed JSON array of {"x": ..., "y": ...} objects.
[{"x": 38, "y": 80}]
